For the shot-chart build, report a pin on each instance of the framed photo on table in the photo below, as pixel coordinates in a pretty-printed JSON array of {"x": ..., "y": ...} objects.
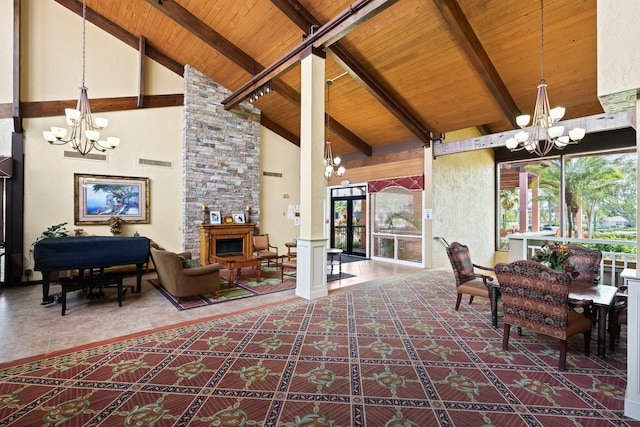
[
  {"x": 215, "y": 218},
  {"x": 97, "y": 198},
  {"x": 238, "y": 218}
]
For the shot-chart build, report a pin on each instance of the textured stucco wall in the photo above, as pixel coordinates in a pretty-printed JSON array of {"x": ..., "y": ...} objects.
[
  {"x": 618, "y": 61},
  {"x": 464, "y": 205}
]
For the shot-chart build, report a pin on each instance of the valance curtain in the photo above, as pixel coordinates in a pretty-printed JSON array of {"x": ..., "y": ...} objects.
[{"x": 411, "y": 183}]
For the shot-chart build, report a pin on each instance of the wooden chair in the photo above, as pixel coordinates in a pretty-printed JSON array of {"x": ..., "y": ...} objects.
[
  {"x": 617, "y": 317},
  {"x": 291, "y": 264},
  {"x": 263, "y": 249},
  {"x": 536, "y": 297},
  {"x": 467, "y": 281},
  {"x": 586, "y": 262}
]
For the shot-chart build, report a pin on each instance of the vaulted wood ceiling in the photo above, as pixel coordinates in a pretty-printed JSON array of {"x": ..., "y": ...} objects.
[{"x": 414, "y": 67}]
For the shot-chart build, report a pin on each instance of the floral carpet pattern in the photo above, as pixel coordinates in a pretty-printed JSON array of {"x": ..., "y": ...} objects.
[{"x": 391, "y": 352}]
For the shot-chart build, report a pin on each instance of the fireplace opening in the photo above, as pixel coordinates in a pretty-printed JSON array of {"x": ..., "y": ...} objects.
[{"x": 229, "y": 247}]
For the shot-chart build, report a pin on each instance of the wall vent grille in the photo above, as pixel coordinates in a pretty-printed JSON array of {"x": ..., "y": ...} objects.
[
  {"x": 149, "y": 162},
  {"x": 89, "y": 156},
  {"x": 276, "y": 174}
]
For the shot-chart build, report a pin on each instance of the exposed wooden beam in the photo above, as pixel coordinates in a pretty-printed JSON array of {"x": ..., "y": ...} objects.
[
  {"x": 592, "y": 124},
  {"x": 324, "y": 37},
  {"x": 350, "y": 137},
  {"x": 276, "y": 128},
  {"x": 192, "y": 23},
  {"x": 459, "y": 26},
  {"x": 141, "y": 49},
  {"x": 124, "y": 36},
  {"x": 374, "y": 85},
  {"x": 205, "y": 33},
  {"x": 56, "y": 108}
]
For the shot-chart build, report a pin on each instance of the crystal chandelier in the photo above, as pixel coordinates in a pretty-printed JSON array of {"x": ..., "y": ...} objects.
[
  {"x": 543, "y": 135},
  {"x": 331, "y": 164},
  {"x": 85, "y": 133}
]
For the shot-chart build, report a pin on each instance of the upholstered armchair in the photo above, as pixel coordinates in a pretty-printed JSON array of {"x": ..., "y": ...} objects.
[
  {"x": 586, "y": 262},
  {"x": 467, "y": 281},
  {"x": 536, "y": 297},
  {"x": 263, "y": 249},
  {"x": 182, "y": 276}
]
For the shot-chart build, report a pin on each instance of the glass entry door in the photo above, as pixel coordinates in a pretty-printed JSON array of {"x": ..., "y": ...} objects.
[{"x": 348, "y": 220}]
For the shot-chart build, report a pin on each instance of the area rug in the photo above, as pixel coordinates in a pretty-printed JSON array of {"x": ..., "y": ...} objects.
[
  {"x": 391, "y": 352},
  {"x": 245, "y": 285}
]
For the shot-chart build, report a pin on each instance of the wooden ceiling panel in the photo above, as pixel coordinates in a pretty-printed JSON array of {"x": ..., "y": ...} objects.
[{"x": 414, "y": 61}]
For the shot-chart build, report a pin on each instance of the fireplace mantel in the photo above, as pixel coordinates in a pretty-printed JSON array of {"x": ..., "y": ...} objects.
[{"x": 210, "y": 233}]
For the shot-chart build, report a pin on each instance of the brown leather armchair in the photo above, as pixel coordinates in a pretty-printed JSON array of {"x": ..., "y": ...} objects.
[
  {"x": 185, "y": 281},
  {"x": 263, "y": 249},
  {"x": 537, "y": 298}
]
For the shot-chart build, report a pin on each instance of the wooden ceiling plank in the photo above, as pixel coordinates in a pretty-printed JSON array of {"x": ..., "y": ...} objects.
[
  {"x": 201, "y": 30},
  {"x": 306, "y": 21},
  {"x": 276, "y": 128},
  {"x": 123, "y": 35},
  {"x": 328, "y": 34},
  {"x": 350, "y": 137},
  {"x": 461, "y": 29}
]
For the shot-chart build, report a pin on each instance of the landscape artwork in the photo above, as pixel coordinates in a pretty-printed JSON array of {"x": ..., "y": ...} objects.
[{"x": 100, "y": 197}]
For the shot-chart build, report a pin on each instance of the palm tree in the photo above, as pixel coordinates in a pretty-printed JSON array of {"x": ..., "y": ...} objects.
[{"x": 588, "y": 181}]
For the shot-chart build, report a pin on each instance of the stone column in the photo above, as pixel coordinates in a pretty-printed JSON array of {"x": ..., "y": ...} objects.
[{"x": 312, "y": 243}]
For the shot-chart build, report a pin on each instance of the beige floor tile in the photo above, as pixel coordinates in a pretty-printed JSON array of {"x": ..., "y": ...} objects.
[{"x": 28, "y": 328}]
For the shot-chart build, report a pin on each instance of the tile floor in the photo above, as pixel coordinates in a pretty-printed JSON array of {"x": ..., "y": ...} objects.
[{"x": 28, "y": 328}]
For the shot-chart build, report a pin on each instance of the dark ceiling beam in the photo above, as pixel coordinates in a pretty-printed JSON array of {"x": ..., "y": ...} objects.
[
  {"x": 350, "y": 137},
  {"x": 198, "y": 28},
  {"x": 205, "y": 33},
  {"x": 374, "y": 85},
  {"x": 322, "y": 38},
  {"x": 276, "y": 128},
  {"x": 98, "y": 105},
  {"x": 123, "y": 35},
  {"x": 459, "y": 26}
]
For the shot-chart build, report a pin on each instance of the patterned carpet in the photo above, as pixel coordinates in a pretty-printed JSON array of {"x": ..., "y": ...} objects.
[
  {"x": 245, "y": 286},
  {"x": 387, "y": 353}
]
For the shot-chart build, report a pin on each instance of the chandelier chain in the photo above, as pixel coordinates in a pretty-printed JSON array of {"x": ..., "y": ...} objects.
[
  {"x": 84, "y": 39},
  {"x": 542, "y": 41}
]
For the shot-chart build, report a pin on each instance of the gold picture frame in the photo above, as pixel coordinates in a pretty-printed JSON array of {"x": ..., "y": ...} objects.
[{"x": 97, "y": 198}]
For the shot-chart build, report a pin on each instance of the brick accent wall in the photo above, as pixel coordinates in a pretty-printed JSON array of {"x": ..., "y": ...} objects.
[{"x": 221, "y": 156}]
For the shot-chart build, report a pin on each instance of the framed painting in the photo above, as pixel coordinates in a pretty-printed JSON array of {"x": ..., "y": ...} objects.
[{"x": 99, "y": 197}]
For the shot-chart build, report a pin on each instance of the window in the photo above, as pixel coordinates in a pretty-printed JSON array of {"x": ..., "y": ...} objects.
[
  {"x": 598, "y": 201},
  {"x": 397, "y": 224}
]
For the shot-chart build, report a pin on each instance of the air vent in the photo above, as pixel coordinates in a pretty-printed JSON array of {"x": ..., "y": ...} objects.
[
  {"x": 160, "y": 163},
  {"x": 90, "y": 156},
  {"x": 276, "y": 174}
]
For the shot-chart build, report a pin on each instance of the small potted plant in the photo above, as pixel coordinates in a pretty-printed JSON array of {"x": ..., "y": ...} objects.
[{"x": 116, "y": 223}]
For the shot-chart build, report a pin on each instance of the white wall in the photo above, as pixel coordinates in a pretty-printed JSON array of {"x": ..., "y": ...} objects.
[
  {"x": 277, "y": 193},
  {"x": 51, "y": 70}
]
